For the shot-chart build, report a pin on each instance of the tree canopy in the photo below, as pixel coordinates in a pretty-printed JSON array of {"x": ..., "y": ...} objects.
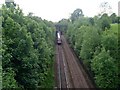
[
  {"x": 76, "y": 14},
  {"x": 27, "y": 50}
]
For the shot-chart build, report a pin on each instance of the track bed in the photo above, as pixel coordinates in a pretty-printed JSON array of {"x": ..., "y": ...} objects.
[{"x": 68, "y": 72}]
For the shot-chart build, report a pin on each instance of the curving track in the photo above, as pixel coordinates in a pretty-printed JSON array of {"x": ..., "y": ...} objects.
[{"x": 68, "y": 73}]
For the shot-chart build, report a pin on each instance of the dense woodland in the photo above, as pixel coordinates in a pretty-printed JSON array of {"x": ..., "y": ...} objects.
[
  {"x": 27, "y": 49},
  {"x": 0, "y": 50},
  {"x": 95, "y": 41}
]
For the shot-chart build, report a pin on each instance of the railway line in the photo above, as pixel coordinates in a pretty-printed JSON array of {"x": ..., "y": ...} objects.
[{"x": 68, "y": 73}]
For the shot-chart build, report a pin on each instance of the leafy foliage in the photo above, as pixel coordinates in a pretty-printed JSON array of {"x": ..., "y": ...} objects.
[
  {"x": 95, "y": 40},
  {"x": 76, "y": 14},
  {"x": 79, "y": 38},
  {"x": 110, "y": 42},
  {"x": 104, "y": 22},
  {"x": 91, "y": 40},
  {"x": 8, "y": 79},
  {"x": 27, "y": 49},
  {"x": 0, "y": 49},
  {"x": 113, "y": 18},
  {"x": 105, "y": 70}
]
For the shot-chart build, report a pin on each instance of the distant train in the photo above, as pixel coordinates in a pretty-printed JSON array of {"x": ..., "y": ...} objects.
[{"x": 58, "y": 37}]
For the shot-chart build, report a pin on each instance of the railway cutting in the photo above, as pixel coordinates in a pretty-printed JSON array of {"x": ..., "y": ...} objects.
[{"x": 68, "y": 73}]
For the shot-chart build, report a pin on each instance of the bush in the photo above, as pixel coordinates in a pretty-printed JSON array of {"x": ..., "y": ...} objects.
[
  {"x": 91, "y": 40},
  {"x": 105, "y": 70}
]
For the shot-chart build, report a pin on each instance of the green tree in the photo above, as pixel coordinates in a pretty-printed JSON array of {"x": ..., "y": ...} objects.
[
  {"x": 76, "y": 14},
  {"x": 104, "y": 22},
  {"x": 91, "y": 40},
  {"x": 109, "y": 40},
  {"x": 88, "y": 36},
  {"x": 79, "y": 34},
  {"x": 27, "y": 49},
  {"x": 8, "y": 79},
  {"x": 105, "y": 70},
  {"x": 91, "y": 20},
  {"x": 113, "y": 18}
]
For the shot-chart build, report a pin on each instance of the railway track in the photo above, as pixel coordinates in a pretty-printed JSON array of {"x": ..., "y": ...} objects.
[
  {"x": 68, "y": 73},
  {"x": 63, "y": 75}
]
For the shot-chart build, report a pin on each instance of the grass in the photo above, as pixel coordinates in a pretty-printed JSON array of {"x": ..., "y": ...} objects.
[{"x": 114, "y": 27}]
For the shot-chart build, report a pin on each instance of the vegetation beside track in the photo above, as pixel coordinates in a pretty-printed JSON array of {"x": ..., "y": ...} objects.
[
  {"x": 95, "y": 41},
  {"x": 28, "y": 47},
  {"x": 27, "y": 50}
]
